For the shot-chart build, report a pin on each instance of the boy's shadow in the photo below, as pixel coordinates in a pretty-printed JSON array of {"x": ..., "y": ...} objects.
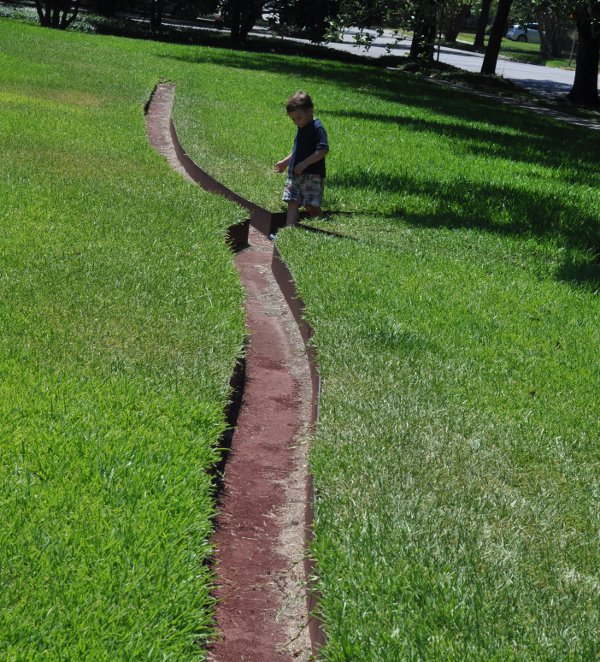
[{"x": 279, "y": 221}]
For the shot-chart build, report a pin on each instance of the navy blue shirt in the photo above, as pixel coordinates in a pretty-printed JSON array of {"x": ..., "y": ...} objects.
[{"x": 308, "y": 140}]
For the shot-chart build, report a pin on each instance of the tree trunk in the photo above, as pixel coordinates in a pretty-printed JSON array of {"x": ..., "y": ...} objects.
[
  {"x": 235, "y": 17},
  {"x": 57, "y": 14},
  {"x": 453, "y": 22},
  {"x": 241, "y": 17},
  {"x": 250, "y": 14},
  {"x": 553, "y": 34},
  {"x": 156, "y": 15},
  {"x": 422, "y": 46},
  {"x": 498, "y": 30},
  {"x": 482, "y": 22},
  {"x": 41, "y": 10},
  {"x": 585, "y": 87}
]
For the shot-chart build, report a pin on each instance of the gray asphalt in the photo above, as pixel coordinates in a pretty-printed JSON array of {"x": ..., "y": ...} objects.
[
  {"x": 546, "y": 81},
  {"x": 543, "y": 81}
]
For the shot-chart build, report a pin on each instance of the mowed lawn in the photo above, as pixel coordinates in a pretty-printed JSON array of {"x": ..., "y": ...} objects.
[
  {"x": 456, "y": 461},
  {"x": 120, "y": 323}
]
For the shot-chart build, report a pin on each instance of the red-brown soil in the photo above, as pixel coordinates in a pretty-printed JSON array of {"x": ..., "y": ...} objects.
[
  {"x": 259, "y": 562},
  {"x": 259, "y": 537}
]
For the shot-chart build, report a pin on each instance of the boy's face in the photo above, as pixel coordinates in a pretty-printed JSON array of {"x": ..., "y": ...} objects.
[{"x": 301, "y": 117}]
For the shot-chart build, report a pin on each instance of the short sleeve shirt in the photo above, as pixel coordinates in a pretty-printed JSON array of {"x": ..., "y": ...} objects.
[{"x": 308, "y": 140}]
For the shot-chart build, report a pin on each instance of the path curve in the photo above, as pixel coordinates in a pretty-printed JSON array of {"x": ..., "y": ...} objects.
[{"x": 260, "y": 530}]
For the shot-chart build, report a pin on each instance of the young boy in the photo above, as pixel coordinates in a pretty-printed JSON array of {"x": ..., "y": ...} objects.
[{"x": 306, "y": 163}]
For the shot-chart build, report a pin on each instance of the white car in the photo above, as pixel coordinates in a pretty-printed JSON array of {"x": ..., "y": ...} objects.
[{"x": 528, "y": 32}]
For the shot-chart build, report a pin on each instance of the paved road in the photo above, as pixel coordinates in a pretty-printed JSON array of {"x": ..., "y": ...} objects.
[
  {"x": 544, "y": 81},
  {"x": 540, "y": 80}
]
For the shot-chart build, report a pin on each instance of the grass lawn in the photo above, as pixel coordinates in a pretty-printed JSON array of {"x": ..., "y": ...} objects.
[
  {"x": 402, "y": 147},
  {"x": 456, "y": 461},
  {"x": 120, "y": 322}
]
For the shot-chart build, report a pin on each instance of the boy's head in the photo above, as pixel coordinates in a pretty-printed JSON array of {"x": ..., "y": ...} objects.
[{"x": 299, "y": 108}]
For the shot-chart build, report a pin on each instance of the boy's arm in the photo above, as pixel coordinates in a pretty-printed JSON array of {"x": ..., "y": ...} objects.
[
  {"x": 315, "y": 157},
  {"x": 280, "y": 166}
]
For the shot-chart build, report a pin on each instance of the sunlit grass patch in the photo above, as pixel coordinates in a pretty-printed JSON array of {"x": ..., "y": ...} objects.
[
  {"x": 455, "y": 462},
  {"x": 120, "y": 323}
]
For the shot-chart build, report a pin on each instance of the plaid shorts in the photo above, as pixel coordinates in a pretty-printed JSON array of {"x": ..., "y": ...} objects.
[{"x": 306, "y": 190}]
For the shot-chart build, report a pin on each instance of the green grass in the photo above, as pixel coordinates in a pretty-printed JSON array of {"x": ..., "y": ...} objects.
[
  {"x": 456, "y": 460},
  {"x": 400, "y": 146},
  {"x": 120, "y": 322}
]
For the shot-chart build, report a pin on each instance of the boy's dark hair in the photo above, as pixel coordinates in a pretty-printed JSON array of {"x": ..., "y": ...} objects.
[{"x": 298, "y": 101}]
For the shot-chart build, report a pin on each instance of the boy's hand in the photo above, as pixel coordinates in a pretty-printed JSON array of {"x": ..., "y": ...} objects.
[
  {"x": 280, "y": 166},
  {"x": 299, "y": 169}
]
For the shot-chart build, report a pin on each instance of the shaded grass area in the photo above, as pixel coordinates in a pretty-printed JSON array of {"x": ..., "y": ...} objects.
[
  {"x": 456, "y": 461},
  {"x": 188, "y": 33},
  {"x": 400, "y": 146},
  {"x": 492, "y": 84},
  {"x": 120, "y": 322}
]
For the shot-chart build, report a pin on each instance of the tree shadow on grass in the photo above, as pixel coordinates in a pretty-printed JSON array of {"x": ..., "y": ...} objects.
[
  {"x": 569, "y": 148},
  {"x": 372, "y": 78},
  {"x": 217, "y": 39},
  {"x": 501, "y": 132},
  {"x": 363, "y": 76},
  {"x": 463, "y": 204}
]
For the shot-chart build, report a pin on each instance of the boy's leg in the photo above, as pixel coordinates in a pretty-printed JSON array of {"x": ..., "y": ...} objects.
[
  {"x": 292, "y": 196},
  {"x": 313, "y": 194},
  {"x": 293, "y": 213}
]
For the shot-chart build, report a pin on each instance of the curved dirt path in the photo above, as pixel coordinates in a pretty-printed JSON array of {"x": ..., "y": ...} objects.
[
  {"x": 259, "y": 537},
  {"x": 260, "y": 534}
]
